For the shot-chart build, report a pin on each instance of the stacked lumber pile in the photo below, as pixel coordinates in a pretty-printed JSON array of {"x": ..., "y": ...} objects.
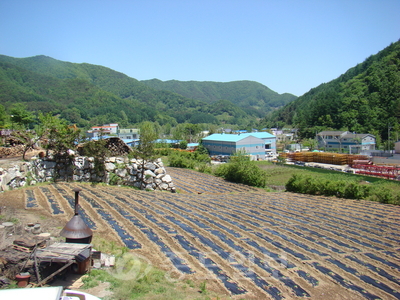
[
  {"x": 330, "y": 158},
  {"x": 302, "y": 156},
  {"x": 326, "y": 157},
  {"x": 358, "y": 159},
  {"x": 28, "y": 244}
]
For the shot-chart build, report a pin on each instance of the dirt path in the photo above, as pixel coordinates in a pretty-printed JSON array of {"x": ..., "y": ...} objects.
[{"x": 10, "y": 161}]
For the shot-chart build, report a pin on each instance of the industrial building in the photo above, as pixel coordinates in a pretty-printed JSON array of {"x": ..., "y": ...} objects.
[{"x": 255, "y": 143}]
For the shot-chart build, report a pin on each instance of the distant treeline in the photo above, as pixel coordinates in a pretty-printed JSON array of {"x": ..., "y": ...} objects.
[{"x": 86, "y": 94}]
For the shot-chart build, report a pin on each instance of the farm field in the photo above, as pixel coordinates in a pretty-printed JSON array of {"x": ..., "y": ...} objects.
[{"x": 244, "y": 242}]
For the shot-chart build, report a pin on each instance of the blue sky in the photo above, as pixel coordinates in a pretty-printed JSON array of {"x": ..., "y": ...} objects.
[{"x": 288, "y": 45}]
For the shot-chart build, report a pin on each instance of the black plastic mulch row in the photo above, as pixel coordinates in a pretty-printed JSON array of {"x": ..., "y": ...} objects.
[
  {"x": 226, "y": 255},
  {"x": 308, "y": 238},
  {"x": 30, "y": 199},
  {"x": 53, "y": 203},
  {"x": 237, "y": 235},
  {"x": 365, "y": 278},
  {"x": 343, "y": 282},
  {"x": 380, "y": 271},
  {"x": 126, "y": 238},
  {"x": 210, "y": 181},
  {"x": 382, "y": 260},
  {"x": 210, "y": 186},
  {"x": 327, "y": 238},
  {"x": 210, "y": 265},
  {"x": 178, "y": 262},
  {"x": 274, "y": 232},
  {"x": 333, "y": 249},
  {"x": 71, "y": 200}
]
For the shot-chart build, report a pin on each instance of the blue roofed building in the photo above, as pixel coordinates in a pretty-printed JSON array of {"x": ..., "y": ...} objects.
[{"x": 255, "y": 143}]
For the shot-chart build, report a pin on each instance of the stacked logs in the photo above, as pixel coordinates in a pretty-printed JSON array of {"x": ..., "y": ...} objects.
[
  {"x": 13, "y": 141},
  {"x": 12, "y": 151},
  {"x": 117, "y": 147}
]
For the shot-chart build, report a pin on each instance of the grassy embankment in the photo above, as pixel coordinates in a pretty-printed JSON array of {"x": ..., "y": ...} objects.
[{"x": 318, "y": 181}]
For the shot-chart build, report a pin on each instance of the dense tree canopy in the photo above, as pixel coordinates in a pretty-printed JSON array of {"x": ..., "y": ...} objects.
[
  {"x": 366, "y": 99},
  {"x": 86, "y": 94},
  {"x": 248, "y": 95}
]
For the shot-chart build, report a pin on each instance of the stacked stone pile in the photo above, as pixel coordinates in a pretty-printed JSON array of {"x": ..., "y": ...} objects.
[{"x": 150, "y": 175}]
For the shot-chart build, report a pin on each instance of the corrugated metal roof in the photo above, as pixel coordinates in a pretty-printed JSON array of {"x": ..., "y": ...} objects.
[
  {"x": 357, "y": 135},
  {"x": 344, "y": 134},
  {"x": 261, "y": 135},
  {"x": 237, "y": 137},
  {"x": 331, "y": 132},
  {"x": 224, "y": 137}
]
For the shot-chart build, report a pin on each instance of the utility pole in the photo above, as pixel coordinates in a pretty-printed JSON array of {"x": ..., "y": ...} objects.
[{"x": 389, "y": 127}]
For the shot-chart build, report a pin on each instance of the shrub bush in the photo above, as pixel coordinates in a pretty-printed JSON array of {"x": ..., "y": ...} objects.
[
  {"x": 204, "y": 168},
  {"x": 181, "y": 160},
  {"x": 293, "y": 184},
  {"x": 355, "y": 190},
  {"x": 241, "y": 169},
  {"x": 190, "y": 160},
  {"x": 329, "y": 187},
  {"x": 382, "y": 193}
]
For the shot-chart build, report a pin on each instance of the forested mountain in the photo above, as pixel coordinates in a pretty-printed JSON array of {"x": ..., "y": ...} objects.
[
  {"x": 365, "y": 99},
  {"x": 249, "y": 95},
  {"x": 88, "y": 94}
]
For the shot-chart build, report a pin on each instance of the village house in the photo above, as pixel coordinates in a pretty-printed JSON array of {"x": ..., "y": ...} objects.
[
  {"x": 345, "y": 141},
  {"x": 128, "y": 133},
  {"x": 105, "y": 130}
]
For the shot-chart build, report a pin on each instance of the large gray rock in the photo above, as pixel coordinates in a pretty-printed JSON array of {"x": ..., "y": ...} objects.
[
  {"x": 150, "y": 166},
  {"x": 166, "y": 178},
  {"x": 159, "y": 171},
  {"x": 149, "y": 173},
  {"x": 121, "y": 172},
  {"x": 48, "y": 164},
  {"x": 132, "y": 170},
  {"x": 163, "y": 186},
  {"x": 110, "y": 167}
]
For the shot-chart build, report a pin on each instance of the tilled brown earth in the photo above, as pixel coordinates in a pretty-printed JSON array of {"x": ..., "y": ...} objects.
[{"x": 244, "y": 242}]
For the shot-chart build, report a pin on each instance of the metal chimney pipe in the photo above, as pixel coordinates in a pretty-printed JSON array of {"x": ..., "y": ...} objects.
[
  {"x": 76, "y": 231},
  {"x": 76, "y": 190}
]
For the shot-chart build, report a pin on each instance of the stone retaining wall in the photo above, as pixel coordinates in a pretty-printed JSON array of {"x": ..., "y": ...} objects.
[{"x": 117, "y": 171}]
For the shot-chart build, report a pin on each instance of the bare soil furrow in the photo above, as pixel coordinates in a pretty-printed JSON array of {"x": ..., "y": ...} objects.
[
  {"x": 130, "y": 209},
  {"x": 142, "y": 208}
]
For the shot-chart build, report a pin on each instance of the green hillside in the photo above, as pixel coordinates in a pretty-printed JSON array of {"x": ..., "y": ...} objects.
[
  {"x": 88, "y": 94},
  {"x": 249, "y": 95},
  {"x": 365, "y": 99}
]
